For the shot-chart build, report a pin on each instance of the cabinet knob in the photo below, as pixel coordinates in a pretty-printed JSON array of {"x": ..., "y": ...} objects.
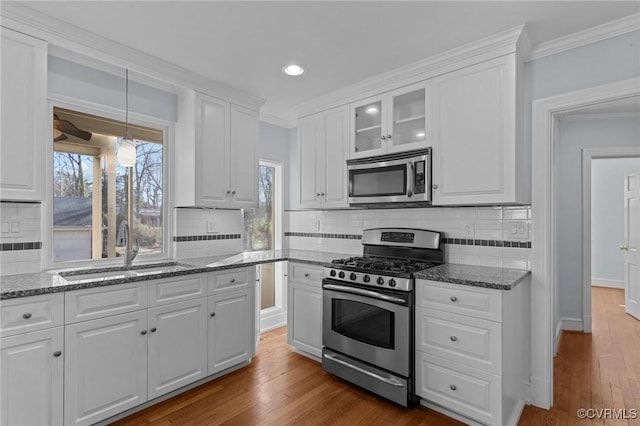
[
  {"x": 233, "y": 192},
  {"x": 213, "y": 314},
  {"x": 57, "y": 353},
  {"x": 453, "y": 338},
  {"x": 434, "y": 186},
  {"x": 388, "y": 136},
  {"x": 306, "y": 275},
  {"x": 233, "y": 280},
  {"x": 26, "y": 315},
  {"x": 228, "y": 191},
  {"x": 383, "y": 137},
  {"x": 143, "y": 332},
  {"x": 322, "y": 194},
  {"x": 153, "y": 329},
  {"x": 317, "y": 194},
  {"x": 453, "y": 387},
  {"x": 453, "y": 299}
]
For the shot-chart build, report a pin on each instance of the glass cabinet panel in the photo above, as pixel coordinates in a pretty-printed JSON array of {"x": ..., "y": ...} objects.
[
  {"x": 408, "y": 124},
  {"x": 368, "y": 129}
]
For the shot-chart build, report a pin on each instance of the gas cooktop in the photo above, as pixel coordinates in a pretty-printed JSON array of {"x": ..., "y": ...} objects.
[{"x": 381, "y": 265}]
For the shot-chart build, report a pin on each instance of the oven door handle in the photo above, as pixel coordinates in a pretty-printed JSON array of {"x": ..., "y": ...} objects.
[
  {"x": 389, "y": 380},
  {"x": 367, "y": 293}
]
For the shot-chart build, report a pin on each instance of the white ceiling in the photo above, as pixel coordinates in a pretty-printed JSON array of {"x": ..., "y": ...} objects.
[{"x": 245, "y": 44}]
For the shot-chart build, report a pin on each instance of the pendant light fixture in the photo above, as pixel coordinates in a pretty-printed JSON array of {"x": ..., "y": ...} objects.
[{"x": 127, "y": 150}]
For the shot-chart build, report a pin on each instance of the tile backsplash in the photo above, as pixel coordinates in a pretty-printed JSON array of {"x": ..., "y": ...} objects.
[
  {"x": 489, "y": 236},
  {"x": 21, "y": 238},
  {"x": 207, "y": 232}
]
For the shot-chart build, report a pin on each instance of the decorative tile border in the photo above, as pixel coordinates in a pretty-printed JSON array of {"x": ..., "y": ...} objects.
[
  {"x": 487, "y": 243},
  {"x": 322, "y": 235},
  {"x": 20, "y": 246},
  {"x": 207, "y": 237}
]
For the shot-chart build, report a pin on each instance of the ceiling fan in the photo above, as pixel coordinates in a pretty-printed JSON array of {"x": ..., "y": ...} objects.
[{"x": 62, "y": 128}]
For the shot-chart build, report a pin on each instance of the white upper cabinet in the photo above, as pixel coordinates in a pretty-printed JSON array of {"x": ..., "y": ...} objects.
[
  {"x": 394, "y": 121},
  {"x": 322, "y": 158},
  {"x": 24, "y": 117},
  {"x": 477, "y": 150},
  {"x": 225, "y": 154}
]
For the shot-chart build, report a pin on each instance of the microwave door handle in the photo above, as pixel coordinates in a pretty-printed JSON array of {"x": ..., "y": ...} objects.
[{"x": 410, "y": 178}]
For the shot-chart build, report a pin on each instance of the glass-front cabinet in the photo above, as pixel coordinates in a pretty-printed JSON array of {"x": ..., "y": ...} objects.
[{"x": 391, "y": 122}]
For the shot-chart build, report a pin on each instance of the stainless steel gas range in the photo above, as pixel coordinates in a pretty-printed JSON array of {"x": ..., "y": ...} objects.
[{"x": 368, "y": 310}]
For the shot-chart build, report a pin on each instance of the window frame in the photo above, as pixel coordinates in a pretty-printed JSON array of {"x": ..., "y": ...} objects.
[{"x": 167, "y": 129}]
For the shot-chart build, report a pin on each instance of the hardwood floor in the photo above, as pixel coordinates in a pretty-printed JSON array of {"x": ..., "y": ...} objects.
[{"x": 280, "y": 387}]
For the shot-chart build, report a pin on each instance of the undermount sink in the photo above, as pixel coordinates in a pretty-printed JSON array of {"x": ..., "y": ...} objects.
[{"x": 116, "y": 272}]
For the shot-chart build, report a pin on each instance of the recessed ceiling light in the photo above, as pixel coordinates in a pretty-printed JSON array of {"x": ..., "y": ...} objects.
[
  {"x": 371, "y": 110},
  {"x": 292, "y": 69}
]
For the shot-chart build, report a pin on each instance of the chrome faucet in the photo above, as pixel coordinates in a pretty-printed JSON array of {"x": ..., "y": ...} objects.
[{"x": 125, "y": 238}]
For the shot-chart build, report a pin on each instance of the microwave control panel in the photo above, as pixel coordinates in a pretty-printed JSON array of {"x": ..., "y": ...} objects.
[{"x": 419, "y": 181}]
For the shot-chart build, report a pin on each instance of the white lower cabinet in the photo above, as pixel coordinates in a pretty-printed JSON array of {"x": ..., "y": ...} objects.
[
  {"x": 177, "y": 352},
  {"x": 473, "y": 350},
  {"x": 31, "y": 378},
  {"x": 304, "y": 311},
  {"x": 105, "y": 367},
  {"x": 230, "y": 329}
]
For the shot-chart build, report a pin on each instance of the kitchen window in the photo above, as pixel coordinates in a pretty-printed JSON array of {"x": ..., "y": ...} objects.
[{"x": 90, "y": 193}]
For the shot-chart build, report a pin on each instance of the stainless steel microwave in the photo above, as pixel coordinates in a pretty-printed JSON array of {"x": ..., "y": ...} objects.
[{"x": 400, "y": 178}]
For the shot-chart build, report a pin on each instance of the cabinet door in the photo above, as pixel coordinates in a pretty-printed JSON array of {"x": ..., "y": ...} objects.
[
  {"x": 474, "y": 143},
  {"x": 244, "y": 158},
  {"x": 309, "y": 155},
  {"x": 368, "y": 127},
  {"x": 230, "y": 329},
  {"x": 304, "y": 318},
  {"x": 24, "y": 117},
  {"x": 212, "y": 157},
  {"x": 334, "y": 169},
  {"x": 105, "y": 370},
  {"x": 177, "y": 345},
  {"x": 408, "y": 119},
  {"x": 31, "y": 380}
]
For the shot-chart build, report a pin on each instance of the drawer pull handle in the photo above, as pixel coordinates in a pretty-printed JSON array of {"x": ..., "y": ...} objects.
[
  {"x": 153, "y": 330},
  {"x": 26, "y": 315},
  {"x": 213, "y": 314},
  {"x": 453, "y": 338},
  {"x": 233, "y": 280},
  {"x": 57, "y": 353},
  {"x": 143, "y": 332},
  {"x": 306, "y": 275},
  {"x": 453, "y": 299},
  {"x": 453, "y": 387}
]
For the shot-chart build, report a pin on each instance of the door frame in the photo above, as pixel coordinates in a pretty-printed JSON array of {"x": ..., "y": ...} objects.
[
  {"x": 545, "y": 113},
  {"x": 588, "y": 155}
]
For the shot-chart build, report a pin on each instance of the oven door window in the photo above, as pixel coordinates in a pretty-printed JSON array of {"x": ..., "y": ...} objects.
[
  {"x": 363, "y": 322},
  {"x": 379, "y": 181}
]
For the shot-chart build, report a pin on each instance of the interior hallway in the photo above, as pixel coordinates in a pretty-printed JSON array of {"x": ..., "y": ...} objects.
[{"x": 598, "y": 370}]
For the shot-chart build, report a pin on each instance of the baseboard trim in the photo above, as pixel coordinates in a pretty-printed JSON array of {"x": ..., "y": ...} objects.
[
  {"x": 540, "y": 395},
  {"x": 601, "y": 282},
  {"x": 273, "y": 321},
  {"x": 556, "y": 337},
  {"x": 572, "y": 324}
]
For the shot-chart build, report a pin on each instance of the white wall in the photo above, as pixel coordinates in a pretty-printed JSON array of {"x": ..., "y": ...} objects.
[
  {"x": 607, "y": 218},
  {"x": 573, "y": 136}
]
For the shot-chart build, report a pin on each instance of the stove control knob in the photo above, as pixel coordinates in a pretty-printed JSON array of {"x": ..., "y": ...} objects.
[
  {"x": 332, "y": 273},
  {"x": 341, "y": 274},
  {"x": 392, "y": 282},
  {"x": 353, "y": 276},
  {"x": 366, "y": 278},
  {"x": 380, "y": 280}
]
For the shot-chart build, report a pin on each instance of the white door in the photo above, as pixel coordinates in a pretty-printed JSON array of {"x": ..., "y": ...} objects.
[
  {"x": 230, "y": 329},
  {"x": 177, "y": 345},
  {"x": 31, "y": 378},
  {"x": 105, "y": 369},
  {"x": 631, "y": 245}
]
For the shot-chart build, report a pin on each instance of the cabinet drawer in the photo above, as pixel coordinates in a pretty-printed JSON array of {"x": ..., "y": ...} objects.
[
  {"x": 233, "y": 279},
  {"x": 471, "y": 341},
  {"x": 304, "y": 273},
  {"x": 100, "y": 302},
  {"x": 473, "y": 393},
  {"x": 473, "y": 301},
  {"x": 32, "y": 313},
  {"x": 176, "y": 289}
]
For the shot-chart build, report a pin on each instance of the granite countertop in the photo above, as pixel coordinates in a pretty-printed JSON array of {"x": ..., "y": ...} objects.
[
  {"x": 473, "y": 275},
  {"x": 23, "y": 285}
]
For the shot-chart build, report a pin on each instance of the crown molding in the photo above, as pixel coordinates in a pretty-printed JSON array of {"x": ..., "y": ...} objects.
[
  {"x": 278, "y": 120},
  {"x": 499, "y": 44},
  {"x": 590, "y": 35},
  {"x": 63, "y": 37},
  {"x": 599, "y": 116}
]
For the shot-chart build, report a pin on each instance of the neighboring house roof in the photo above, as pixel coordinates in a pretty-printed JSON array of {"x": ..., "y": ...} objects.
[{"x": 72, "y": 211}]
